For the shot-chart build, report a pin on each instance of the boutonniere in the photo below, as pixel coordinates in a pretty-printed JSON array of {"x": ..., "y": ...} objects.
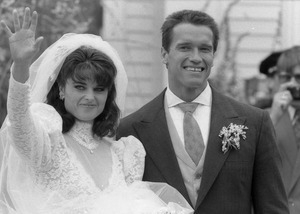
[{"x": 231, "y": 136}]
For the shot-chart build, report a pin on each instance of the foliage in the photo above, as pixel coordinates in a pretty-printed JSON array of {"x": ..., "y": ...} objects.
[
  {"x": 225, "y": 78},
  {"x": 226, "y": 71},
  {"x": 56, "y": 17}
]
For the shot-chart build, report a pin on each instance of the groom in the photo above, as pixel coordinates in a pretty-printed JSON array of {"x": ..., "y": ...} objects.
[{"x": 235, "y": 178}]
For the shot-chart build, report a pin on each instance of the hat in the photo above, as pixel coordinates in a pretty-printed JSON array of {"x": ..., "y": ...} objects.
[{"x": 268, "y": 65}]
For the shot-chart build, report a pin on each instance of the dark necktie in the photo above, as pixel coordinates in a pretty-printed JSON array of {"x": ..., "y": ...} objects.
[
  {"x": 193, "y": 139},
  {"x": 296, "y": 126}
]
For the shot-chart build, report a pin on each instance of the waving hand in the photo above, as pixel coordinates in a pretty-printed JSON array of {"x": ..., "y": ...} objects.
[{"x": 23, "y": 45}]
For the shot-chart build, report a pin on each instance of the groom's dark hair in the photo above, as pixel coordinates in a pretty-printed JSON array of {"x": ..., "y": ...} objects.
[{"x": 193, "y": 17}]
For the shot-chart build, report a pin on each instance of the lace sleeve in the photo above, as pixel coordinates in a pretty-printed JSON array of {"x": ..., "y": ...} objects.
[
  {"x": 133, "y": 159},
  {"x": 28, "y": 133}
]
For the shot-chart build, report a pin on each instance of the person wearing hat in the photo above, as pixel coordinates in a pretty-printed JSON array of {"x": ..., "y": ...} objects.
[
  {"x": 268, "y": 68},
  {"x": 285, "y": 115}
]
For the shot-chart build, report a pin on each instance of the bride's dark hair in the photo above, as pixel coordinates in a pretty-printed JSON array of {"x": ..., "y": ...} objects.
[{"x": 100, "y": 69}]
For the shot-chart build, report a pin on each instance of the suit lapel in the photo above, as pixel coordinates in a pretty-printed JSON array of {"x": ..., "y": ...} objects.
[
  {"x": 295, "y": 174},
  {"x": 284, "y": 130},
  {"x": 159, "y": 146},
  {"x": 289, "y": 151},
  {"x": 222, "y": 114}
]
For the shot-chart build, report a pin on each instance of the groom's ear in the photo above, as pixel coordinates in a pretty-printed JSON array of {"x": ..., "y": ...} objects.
[{"x": 164, "y": 56}]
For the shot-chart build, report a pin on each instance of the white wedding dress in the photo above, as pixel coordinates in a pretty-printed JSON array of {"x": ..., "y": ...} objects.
[{"x": 42, "y": 174}]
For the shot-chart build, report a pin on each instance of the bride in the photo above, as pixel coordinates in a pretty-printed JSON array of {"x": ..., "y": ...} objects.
[{"x": 58, "y": 152}]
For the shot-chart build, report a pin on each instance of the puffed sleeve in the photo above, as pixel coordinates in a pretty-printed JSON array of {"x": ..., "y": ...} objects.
[
  {"x": 31, "y": 127},
  {"x": 133, "y": 159}
]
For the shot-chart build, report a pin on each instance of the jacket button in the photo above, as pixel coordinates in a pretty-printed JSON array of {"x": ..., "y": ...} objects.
[
  {"x": 292, "y": 203},
  {"x": 198, "y": 176}
]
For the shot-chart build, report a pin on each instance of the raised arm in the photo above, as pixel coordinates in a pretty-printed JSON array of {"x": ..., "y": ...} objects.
[
  {"x": 26, "y": 133},
  {"x": 23, "y": 45}
]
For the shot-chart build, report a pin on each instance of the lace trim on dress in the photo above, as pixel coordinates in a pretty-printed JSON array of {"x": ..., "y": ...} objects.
[
  {"x": 82, "y": 134},
  {"x": 25, "y": 126},
  {"x": 18, "y": 125}
]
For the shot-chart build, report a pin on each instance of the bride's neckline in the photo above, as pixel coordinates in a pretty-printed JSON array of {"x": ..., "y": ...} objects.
[{"x": 81, "y": 132}]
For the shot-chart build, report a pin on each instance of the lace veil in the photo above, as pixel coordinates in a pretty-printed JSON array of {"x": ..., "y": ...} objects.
[{"x": 43, "y": 73}]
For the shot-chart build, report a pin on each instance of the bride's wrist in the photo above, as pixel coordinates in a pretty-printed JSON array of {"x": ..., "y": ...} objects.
[{"x": 20, "y": 71}]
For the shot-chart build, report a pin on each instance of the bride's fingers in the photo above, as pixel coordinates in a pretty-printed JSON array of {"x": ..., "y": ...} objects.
[
  {"x": 16, "y": 20},
  {"x": 26, "y": 18},
  {"x": 6, "y": 28},
  {"x": 34, "y": 19}
]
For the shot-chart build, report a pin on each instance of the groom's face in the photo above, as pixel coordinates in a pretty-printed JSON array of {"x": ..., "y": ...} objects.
[{"x": 190, "y": 58}]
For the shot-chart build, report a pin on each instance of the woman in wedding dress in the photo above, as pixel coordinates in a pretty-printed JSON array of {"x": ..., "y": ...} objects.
[{"x": 57, "y": 142}]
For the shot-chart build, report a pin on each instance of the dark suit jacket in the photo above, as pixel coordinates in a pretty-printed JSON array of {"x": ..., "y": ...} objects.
[
  {"x": 232, "y": 182},
  {"x": 290, "y": 155}
]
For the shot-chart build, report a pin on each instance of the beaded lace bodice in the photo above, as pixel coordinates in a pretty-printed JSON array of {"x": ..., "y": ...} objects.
[
  {"x": 35, "y": 133},
  {"x": 82, "y": 134}
]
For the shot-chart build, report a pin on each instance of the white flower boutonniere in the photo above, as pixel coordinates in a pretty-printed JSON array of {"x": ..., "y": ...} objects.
[{"x": 231, "y": 136}]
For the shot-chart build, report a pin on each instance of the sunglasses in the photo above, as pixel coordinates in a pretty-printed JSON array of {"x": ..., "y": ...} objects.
[{"x": 286, "y": 77}]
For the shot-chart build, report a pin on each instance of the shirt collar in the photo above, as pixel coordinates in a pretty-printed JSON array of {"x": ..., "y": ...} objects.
[{"x": 205, "y": 98}]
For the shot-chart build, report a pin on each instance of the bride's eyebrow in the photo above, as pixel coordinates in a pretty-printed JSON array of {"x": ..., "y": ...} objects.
[{"x": 79, "y": 82}]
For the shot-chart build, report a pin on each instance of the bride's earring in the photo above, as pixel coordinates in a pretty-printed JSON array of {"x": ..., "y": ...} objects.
[{"x": 61, "y": 95}]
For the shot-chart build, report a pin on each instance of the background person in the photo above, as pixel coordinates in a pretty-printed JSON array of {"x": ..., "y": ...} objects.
[
  {"x": 268, "y": 67},
  {"x": 285, "y": 116}
]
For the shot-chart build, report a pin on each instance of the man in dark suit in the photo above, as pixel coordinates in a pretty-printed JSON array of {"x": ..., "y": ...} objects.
[
  {"x": 285, "y": 114},
  {"x": 231, "y": 175}
]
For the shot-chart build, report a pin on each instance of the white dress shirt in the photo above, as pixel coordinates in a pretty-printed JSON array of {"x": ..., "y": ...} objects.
[{"x": 201, "y": 114}]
